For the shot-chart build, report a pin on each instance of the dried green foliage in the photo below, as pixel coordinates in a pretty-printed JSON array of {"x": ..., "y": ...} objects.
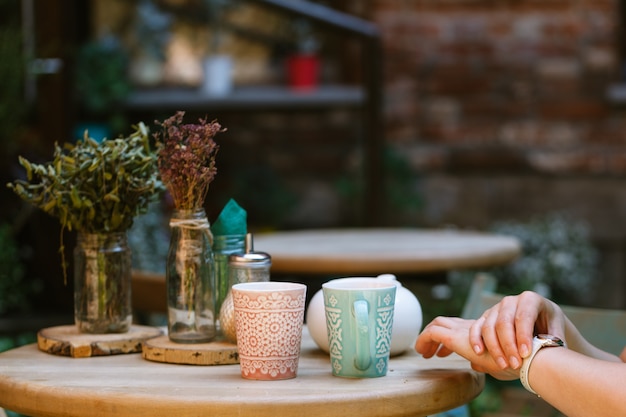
[{"x": 94, "y": 187}]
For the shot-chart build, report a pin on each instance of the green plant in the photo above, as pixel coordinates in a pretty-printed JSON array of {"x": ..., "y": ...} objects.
[
  {"x": 264, "y": 193},
  {"x": 490, "y": 399},
  {"x": 151, "y": 30},
  {"x": 101, "y": 81},
  {"x": 215, "y": 12},
  {"x": 94, "y": 187},
  {"x": 558, "y": 259},
  {"x": 402, "y": 197},
  {"x": 14, "y": 289},
  {"x": 12, "y": 64}
]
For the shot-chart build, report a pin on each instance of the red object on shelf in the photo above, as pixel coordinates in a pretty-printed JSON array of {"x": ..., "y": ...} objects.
[{"x": 303, "y": 71}]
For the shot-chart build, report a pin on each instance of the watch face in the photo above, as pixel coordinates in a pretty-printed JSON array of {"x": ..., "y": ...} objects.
[{"x": 550, "y": 340}]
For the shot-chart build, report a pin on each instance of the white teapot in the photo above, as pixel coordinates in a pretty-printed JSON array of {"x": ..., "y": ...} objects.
[{"x": 407, "y": 318}]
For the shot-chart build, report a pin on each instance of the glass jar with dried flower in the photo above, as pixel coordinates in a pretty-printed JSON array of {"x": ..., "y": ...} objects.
[{"x": 186, "y": 161}]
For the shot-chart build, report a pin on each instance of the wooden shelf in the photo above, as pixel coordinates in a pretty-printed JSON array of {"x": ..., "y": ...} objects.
[
  {"x": 367, "y": 97},
  {"x": 247, "y": 98}
]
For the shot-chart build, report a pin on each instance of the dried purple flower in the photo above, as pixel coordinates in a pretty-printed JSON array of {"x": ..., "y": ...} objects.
[{"x": 186, "y": 159}]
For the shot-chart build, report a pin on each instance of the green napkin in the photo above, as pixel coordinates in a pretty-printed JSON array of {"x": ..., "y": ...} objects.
[{"x": 231, "y": 221}]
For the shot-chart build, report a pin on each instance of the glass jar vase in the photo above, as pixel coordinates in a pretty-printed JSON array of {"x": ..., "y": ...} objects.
[
  {"x": 190, "y": 279},
  {"x": 102, "y": 283}
]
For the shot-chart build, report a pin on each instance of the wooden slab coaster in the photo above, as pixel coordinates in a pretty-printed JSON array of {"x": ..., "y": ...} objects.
[
  {"x": 68, "y": 341},
  {"x": 162, "y": 349}
]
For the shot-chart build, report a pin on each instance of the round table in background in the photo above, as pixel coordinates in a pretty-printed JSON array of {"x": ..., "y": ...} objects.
[
  {"x": 375, "y": 251},
  {"x": 350, "y": 252}
]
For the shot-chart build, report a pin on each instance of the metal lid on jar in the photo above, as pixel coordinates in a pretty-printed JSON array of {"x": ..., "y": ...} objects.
[{"x": 250, "y": 258}]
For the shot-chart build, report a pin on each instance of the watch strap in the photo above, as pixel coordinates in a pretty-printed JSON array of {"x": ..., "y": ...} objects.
[
  {"x": 539, "y": 341},
  {"x": 523, "y": 373}
]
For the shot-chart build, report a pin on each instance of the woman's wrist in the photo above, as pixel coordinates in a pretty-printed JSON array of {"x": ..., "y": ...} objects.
[{"x": 541, "y": 343}]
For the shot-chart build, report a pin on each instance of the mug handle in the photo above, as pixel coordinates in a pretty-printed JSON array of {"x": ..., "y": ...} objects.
[{"x": 363, "y": 358}]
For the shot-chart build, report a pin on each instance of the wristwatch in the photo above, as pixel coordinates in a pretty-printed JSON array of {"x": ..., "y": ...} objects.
[{"x": 539, "y": 341}]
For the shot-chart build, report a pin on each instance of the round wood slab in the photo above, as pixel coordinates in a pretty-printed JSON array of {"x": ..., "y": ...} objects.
[
  {"x": 162, "y": 349},
  {"x": 68, "y": 341}
]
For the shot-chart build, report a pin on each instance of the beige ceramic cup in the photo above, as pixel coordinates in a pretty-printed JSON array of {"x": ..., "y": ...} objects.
[{"x": 268, "y": 322}]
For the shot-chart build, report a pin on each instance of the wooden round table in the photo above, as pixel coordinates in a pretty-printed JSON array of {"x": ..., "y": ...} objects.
[
  {"x": 39, "y": 384},
  {"x": 375, "y": 251}
]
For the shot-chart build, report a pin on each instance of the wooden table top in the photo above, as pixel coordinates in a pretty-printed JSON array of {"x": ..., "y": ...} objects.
[
  {"x": 40, "y": 384},
  {"x": 375, "y": 251}
]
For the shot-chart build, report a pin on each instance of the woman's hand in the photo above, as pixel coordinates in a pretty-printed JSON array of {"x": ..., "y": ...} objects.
[
  {"x": 506, "y": 330},
  {"x": 445, "y": 335},
  {"x": 579, "y": 381}
]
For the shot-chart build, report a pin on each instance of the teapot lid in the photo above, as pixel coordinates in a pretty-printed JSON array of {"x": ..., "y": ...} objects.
[{"x": 389, "y": 277}]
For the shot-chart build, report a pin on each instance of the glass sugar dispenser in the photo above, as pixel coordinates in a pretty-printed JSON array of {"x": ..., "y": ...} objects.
[{"x": 250, "y": 266}]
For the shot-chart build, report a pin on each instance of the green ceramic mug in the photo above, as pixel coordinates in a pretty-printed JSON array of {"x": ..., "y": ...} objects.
[{"x": 359, "y": 319}]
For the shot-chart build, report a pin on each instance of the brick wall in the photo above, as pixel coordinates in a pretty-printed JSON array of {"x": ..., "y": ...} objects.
[
  {"x": 525, "y": 78},
  {"x": 501, "y": 108}
]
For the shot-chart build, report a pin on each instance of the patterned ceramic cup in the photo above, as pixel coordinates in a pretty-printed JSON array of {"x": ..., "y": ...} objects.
[
  {"x": 268, "y": 322},
  {"x": 359, "y": 319}
]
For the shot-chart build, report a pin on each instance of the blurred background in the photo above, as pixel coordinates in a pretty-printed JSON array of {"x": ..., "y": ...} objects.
[{"x": 503, "y": 116}]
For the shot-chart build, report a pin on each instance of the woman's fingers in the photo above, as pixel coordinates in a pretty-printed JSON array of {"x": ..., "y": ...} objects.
[
  {"x": 530, "y": 317},
  {"x": 506, "y": 329},
  {"x": 445, "y": 335},
  {"x": 490, "y": 336},
  {"x": 496, "y": 332},
  {"x": 442, "y": 336},
  {"x": 476, "y": 335}
]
